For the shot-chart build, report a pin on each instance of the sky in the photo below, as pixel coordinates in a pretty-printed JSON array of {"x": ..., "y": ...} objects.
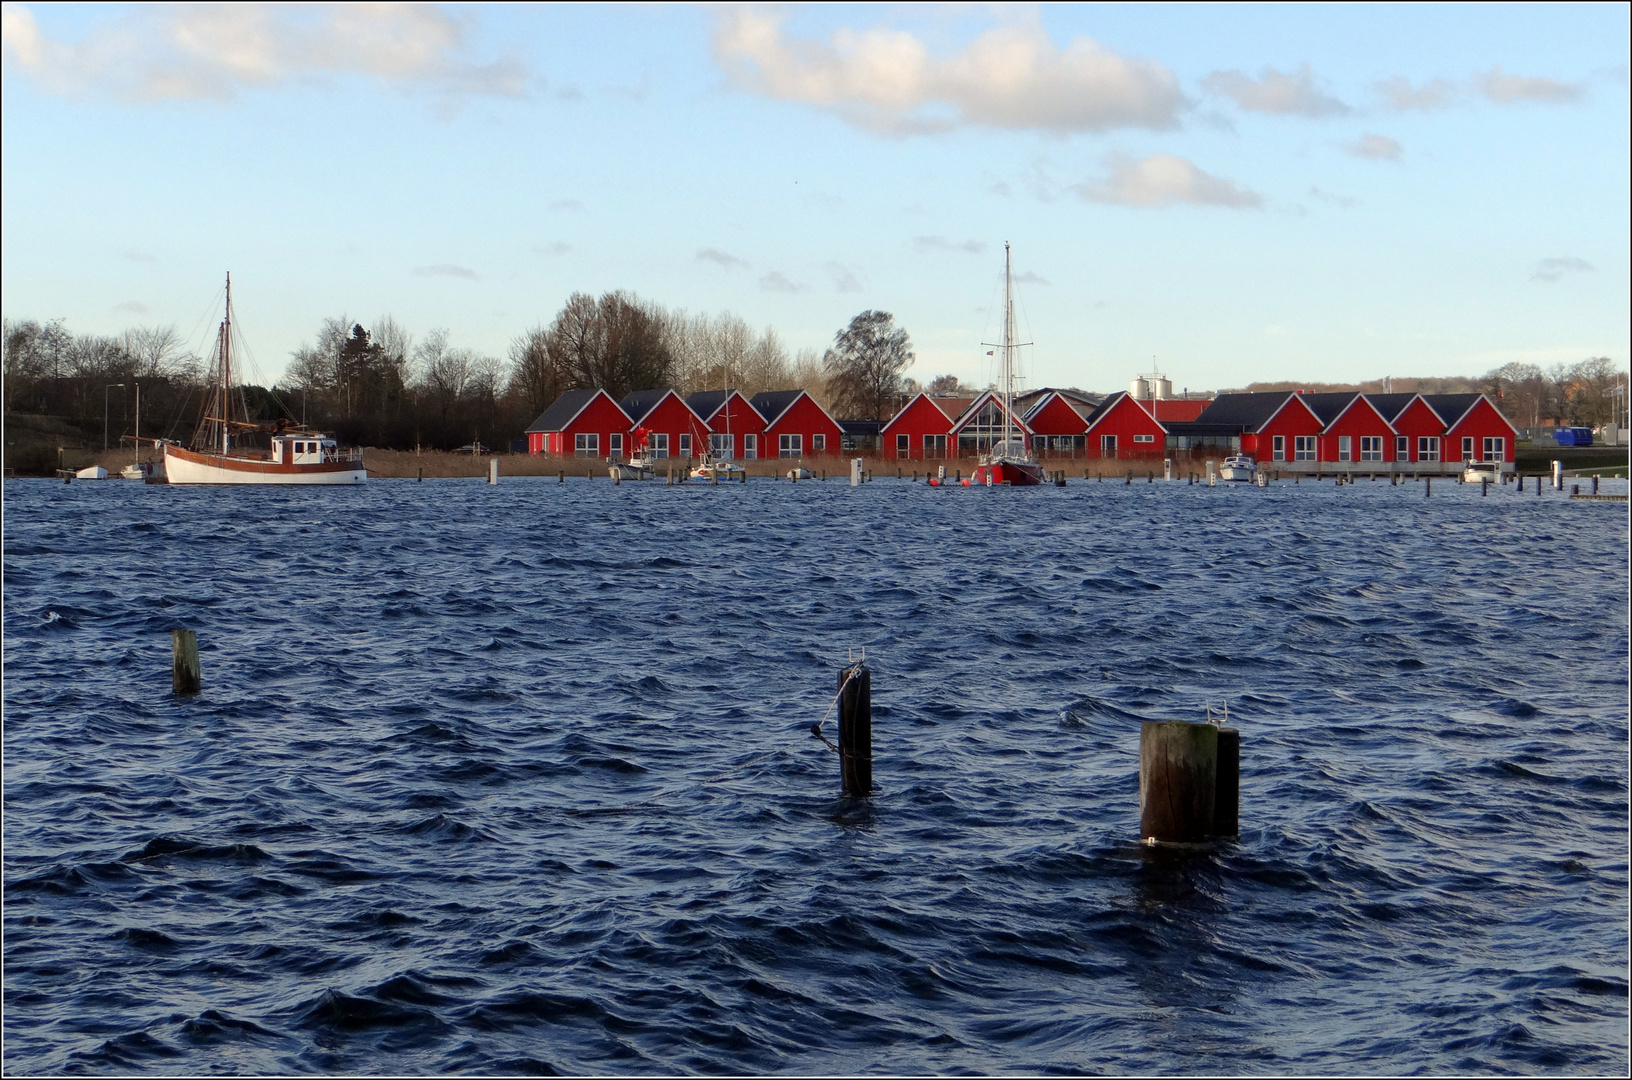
[{"x": 1227, "y": 194}]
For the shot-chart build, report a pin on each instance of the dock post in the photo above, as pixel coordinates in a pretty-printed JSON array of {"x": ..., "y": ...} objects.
[
  {"x": 714, "y": 477},
  {"x": 1178, "y": 781},
  {"x": 422, "y": 474},
  {"x": 1167, "y": 468},
  {"x": 1227, "y": 790},
  {"x": 855, "y": 472},
  {"x": 1595, "y": 483},
  {"x": 1130, "y": 479},
  {"x": 1558, "y": 475},
  {"x": 1575, "y": 489},
  {"x": 617, "y": 477},
  {"x": 1538, "y": 485},
  {"x": 186, "y": 677},
  {"x": 856, "y": 730},
  {"x": 1212, "y": 473},
  {"x": 1427, "y": 487},
  {"x": 561, "y": 477},
  {"x": 1484, "y": 486},
  {"x": 493, "y": 470}
]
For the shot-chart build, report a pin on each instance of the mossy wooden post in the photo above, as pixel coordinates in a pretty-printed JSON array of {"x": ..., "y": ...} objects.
[
  {"x": 1227, "y": 789},
  {"x": 1178, "y": 780},
  {"x": 185, "y": 675},
  {"x": 856, "y": 730}
]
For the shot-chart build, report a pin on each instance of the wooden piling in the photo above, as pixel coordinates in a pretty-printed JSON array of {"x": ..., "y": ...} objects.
[
  {"x": 422, "y": 475},
  {"x": 493, "y": 470},
  {"x": 1484, "y": 486},
  {"x": 561, "y": 477},
  {"x": 1427, "y": 487},
  {"x": 185, "y": 675},
  {"x": 856, "y": 730},
  {"x": 1178, "y": 780},
  {"x": 1227, "y": 789},
  {"x": 1595, "y": 483}
]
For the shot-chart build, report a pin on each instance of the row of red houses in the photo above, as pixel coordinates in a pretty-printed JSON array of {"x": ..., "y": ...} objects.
[{"x": 1272, "y": 427}]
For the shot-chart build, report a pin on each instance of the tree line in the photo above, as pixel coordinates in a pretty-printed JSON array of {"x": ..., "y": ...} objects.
[{"x": 382, "y": 385}]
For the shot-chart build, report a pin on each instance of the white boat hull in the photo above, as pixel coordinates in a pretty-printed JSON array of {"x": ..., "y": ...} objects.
[{"x": 190, "y": 467}]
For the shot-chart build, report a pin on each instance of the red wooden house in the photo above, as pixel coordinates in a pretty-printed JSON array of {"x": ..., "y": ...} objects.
[
  {"x": 1475, "y": 430},
  {"x": 919, "y": 432},
  {"x": 737, "y": 431},
  {"x": 795, "y": 425},
  {"x": 583, "y": 423},
  {"x": 1419, "y": 431},
  {"x": 1058, "y": 429},
  {"x": 669, "y": 425},
  {"x": 1120, "y": 428},
  {"x": 1358, "y": 432},
  {"x": 1290, "y": 431}
]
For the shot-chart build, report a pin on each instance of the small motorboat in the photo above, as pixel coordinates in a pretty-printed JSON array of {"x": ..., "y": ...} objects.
[
  {"x": 1238, "y": 467},
  {"x": 141, "y": 470},
  {"x": 638, "y": 467},
  {"x": 708, "y": 468},
  {"x": 801, "y": 474},
  {"x": 1480, "y": 471},
  {"x": 92, "y": 472}
]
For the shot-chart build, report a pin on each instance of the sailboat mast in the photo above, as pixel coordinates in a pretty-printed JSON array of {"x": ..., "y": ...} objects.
[
  {"x": 226, "y": 365},
  {"x": 1008, "y": 347}
]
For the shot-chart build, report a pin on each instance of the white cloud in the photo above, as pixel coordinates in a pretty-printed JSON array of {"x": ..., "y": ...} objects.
[
  {"x": 1276, "y": 93},
  {"x": 844, "y": 280},
  {"x": 1376, "y": 147},
  {"x": 1553, "y": 269},
  {"x": 1008, "y": 77},
  {"x": 1402, "y": 96},
  {"x": 213, "y": 51},
  {"x": 566, "y": 206},
  {"x": 940, "y": 245},
  {"x": 1331, "y": 198},
  {"x": 143, "y": 257},
  {"x": 557, "y": 248},
  {"x": 445, "y": 270},
  {"x": 1029, "y": 278},
  {"x": 1504, "y": 89},
  {"x": 130, "y": 307},
  {"x": 776, "y": 281},
  {"x": 720, "y": 258},
  {"x": 1164, "y": 180}
]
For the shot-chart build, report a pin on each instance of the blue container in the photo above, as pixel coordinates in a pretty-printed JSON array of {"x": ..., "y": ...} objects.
[{"x": 1573, "y": 436}]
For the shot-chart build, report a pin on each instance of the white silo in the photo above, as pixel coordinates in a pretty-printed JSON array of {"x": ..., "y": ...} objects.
[
  {"x": 1139, "y": 389},
  {"x": 1163, "y": 387}
]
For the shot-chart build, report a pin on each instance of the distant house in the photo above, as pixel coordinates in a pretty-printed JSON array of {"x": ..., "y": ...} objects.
[
  {"x": 669, "y": 427},
  {"x": 796, "y": 425},
  {"x": 1059, "y": 426},
  {"x": 919, "y": 432},
  {"x": 1475, "y": 428},
  {"x": 1121, "y": 429},
  {"x": 582, "y": 423},
  {"x": 736, "y": 429},
  {"x": 984, "y": 424}
]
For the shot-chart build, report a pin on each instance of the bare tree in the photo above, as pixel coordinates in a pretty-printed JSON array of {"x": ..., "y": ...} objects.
[{"x": 865, "y": 365}]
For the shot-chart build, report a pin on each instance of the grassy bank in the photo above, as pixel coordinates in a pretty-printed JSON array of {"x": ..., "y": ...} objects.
[{"x": 1578, "y": 460}]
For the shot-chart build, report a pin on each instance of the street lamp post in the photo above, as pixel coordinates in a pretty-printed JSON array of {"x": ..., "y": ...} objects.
[{"x": 105, "y": 390}]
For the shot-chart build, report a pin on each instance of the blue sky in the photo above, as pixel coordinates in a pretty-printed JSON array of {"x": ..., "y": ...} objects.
[{"x": 1241, "y": 193}]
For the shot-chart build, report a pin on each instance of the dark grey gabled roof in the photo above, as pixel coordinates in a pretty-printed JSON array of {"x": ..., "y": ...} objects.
[
  {"x": 705, "y": 403},
  {"x": 564, "y": 411},
  {"x": 1329, "y": 406},
  {"x": 1451, "y": 407},
  {"x": 771, "y": 404},
  {"x": 1243, "y": 412},
  {"x": 1390, "y": 405},
  {"x": 641, "y": 402}
]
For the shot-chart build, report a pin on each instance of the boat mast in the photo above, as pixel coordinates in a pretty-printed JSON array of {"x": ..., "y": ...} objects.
[
  {"x": 226, "y": 365},
  {"x": 1008, "y": 349}
]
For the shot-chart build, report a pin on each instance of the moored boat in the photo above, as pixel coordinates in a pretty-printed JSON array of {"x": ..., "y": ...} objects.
[
  {"x": 640, "y": 465},
  {"x": 1238, "y": 467},
  {"x": 1008, "y": 463},
  {"x": 1475, "y": 472},
  {"x": 220, "y": 454},
  {"x": 709, "y": 467}
]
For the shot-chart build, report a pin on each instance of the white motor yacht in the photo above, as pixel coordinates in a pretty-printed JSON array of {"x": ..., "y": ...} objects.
[{"x": 1238, "y": 467}]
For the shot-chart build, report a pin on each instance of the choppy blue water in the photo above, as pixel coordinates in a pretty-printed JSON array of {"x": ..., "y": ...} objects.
[{"x": 376, "y": 842}]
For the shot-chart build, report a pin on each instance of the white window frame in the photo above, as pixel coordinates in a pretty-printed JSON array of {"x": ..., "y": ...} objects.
[
  {"x": 719, "y": 446},
  {"x": 1107, "y": 446},
  {"x": 586, "y": 443},
  {"x": 934, "y": 446},
  {"x": 1144, "y": 438},
  {"x": 1371, "y": 448},
  {"x": 1467, "y": 448},
  {"x": 685, "y": 444},
  {"x": 1304, "y": 447},
  {"x": 790, "y": 446},
  {"x": 1402, "y": 448},
  {"x": 750, "y": 447},
  {"x": 1427, "y": 447},
  {"x": 657, "y": 445},
  {"x": 1495, "y": 448},
  {"x": 1278, "y": 448},
  {"x": 1345, "y": 448},
  {"x": 903, "y": 446},
  {"x": 818, "y": 443},
  {"x": 615, "y": 444}
]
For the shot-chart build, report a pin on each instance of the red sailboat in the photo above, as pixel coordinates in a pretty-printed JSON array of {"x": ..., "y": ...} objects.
[{"x": 1008, "y": 462}]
